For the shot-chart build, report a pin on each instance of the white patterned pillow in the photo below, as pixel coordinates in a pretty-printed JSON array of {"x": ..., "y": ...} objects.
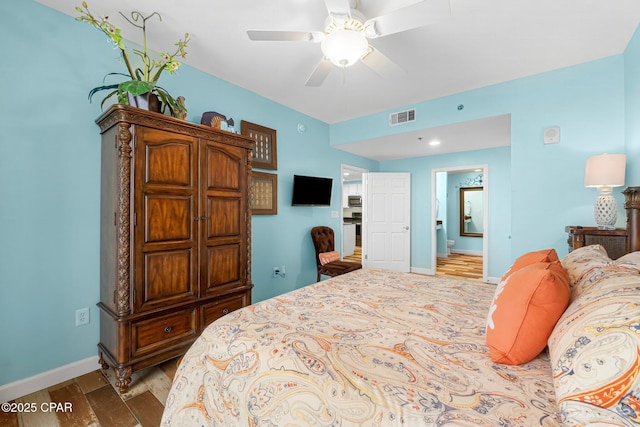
[
  {"x": 595, "y": 351},
  {"x": 582, "y": 261}
]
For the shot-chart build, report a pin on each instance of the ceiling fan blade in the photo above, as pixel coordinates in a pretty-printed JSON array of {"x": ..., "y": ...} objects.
[
  {"x": 320, "y": 73},
  {"x": 382, "y": 65},
  {"x": 285, "y": 36},
  {"x": 417, "y": 15},
  {"x": 338, "y": 8}
]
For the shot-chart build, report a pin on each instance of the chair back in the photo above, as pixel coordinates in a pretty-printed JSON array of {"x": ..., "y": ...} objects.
[{"x": 323, "y": 240}]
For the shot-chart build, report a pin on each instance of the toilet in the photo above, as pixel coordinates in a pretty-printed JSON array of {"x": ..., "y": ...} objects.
[{"x": 450, "y": 244}]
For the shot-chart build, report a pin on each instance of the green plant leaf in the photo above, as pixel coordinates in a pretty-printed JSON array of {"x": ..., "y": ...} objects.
[
  {"x": 136, "y": 87},
  {"x": 101, "y": 88},
  {"x": 107, "y": 97},
  {"x": 168, "y": 100}
]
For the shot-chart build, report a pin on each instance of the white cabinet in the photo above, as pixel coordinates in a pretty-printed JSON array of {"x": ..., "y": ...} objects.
[
  {"x": 348, "y": 239},
  {"x": 350, "y": 189}
]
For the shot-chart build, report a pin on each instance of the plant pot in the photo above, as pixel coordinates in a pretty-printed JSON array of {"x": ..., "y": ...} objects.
[{"x": 147, "y": 101}]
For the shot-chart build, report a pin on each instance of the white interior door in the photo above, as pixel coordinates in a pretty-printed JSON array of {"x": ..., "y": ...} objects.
[{"x": 386, "y": 214}]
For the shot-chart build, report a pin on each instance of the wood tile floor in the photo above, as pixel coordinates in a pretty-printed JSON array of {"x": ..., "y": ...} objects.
[
  {"x": 356, "y": 256},
  {"x": 459, "y": 265},
  {"x": 94, "y": 401}
]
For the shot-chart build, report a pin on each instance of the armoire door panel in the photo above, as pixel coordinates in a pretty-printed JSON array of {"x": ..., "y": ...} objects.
[
  {"x": 168, "y": 160},
  {"x": 227, "y": 214},
  {"x": 224, "y": 166},
  {"x": 168, "y": 218},
  {"x": 167, "y": 277},
  {"x": 223, "y": 265}
]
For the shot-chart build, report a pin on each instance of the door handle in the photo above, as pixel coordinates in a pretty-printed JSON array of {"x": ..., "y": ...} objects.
[{"x": 406, "y": 227}]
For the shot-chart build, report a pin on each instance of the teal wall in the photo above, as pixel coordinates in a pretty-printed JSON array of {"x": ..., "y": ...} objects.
[
  {"x": 498, "y": 177},
  {"x": 632, "y": 109},
  {"x": 50, "y": 166},
  {"x": 50, "y": 184},
  {"x": 540, "y": 187}
]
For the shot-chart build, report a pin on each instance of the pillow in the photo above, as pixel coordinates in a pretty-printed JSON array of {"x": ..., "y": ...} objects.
[
  {"x": 524, "y": 311},
  {"x": 327, "y": 257},
  {"x": 594, "y": 352},
  {"x": 543, "y": 255},
  {"x": 582, "y": 263},
  {"x": 630, "y": 260},
  {"x": 583, "y": 259}
]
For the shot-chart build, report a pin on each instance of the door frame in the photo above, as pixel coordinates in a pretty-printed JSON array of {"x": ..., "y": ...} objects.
[
  {"x": 485, "y": 208},
  {"x": 343, "y": 168}
]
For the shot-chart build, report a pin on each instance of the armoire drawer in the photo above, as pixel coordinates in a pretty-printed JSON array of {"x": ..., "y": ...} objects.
[
  {"x": 216, "y": 310},
  {"x": 161, "y": 332}
]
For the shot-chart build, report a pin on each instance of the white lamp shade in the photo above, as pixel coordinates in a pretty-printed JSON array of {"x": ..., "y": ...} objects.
[
  {"x": 605, "y": 170},
  {"x": 344, "y": 47}
]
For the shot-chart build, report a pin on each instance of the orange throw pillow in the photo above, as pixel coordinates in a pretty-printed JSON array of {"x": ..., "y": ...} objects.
[
  {"x": 327, "y": 257},
  {"x": 543, "y": 255},
  {"x": 524, "y": 311}
]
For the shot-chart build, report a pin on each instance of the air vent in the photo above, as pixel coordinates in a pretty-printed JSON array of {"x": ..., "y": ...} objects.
[{"x": 402, "y": 117}]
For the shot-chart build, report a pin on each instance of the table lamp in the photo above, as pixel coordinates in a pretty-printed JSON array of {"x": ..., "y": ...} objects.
[{"x": 604, "y": 172}]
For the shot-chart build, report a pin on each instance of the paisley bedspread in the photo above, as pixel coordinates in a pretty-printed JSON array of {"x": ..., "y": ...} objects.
[{"x": 369, "y": 348}]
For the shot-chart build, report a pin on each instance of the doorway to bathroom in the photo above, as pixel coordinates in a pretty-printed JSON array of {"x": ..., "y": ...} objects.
[{"x": 460, "y": 221}]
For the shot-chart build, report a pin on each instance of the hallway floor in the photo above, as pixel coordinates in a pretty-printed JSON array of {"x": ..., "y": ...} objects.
[{"x": 460, "y": 265}]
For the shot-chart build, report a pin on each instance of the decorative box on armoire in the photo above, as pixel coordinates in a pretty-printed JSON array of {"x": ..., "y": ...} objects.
[{"x": 175, "y": 249}]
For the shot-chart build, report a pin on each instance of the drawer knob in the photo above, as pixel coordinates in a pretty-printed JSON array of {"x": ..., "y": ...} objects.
[
  {"x": 168, "y": 329},
  {"x": 225, "y": 311}
]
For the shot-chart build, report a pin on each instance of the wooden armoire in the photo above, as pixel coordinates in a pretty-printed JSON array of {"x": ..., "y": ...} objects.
[{"x": 175, "y": 249}]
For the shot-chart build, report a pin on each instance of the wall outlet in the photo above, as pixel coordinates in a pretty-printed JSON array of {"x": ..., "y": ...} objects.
[
  {"x": 82, "y": 316},
  {"x": 279, "y": 271}
]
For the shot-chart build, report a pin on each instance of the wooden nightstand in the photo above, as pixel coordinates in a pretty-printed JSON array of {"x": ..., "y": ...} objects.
[{"x": 614, "y": 241}]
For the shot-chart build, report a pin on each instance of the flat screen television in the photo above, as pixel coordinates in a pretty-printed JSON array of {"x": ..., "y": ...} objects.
[{"x": 311, "y": 191}]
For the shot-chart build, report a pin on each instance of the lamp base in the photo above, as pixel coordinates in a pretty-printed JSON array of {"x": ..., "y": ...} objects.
[{"x": 605, "y": 209}]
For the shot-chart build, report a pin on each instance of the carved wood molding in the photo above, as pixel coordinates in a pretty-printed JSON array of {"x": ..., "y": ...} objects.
[
  {"x": 123, "y": 377},
  {"x": 632, "y": 198},
  {"x": 119, "y": 113},
  {"x": 124, "y": 138},
  {"x": 247, "y": 216},
  {"x": 632, "y": 205}
]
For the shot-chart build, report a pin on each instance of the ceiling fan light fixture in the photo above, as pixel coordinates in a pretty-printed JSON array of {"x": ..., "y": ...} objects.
[
  {"x": 370, "y": 30},
  {"x": 344, "y": 47}
]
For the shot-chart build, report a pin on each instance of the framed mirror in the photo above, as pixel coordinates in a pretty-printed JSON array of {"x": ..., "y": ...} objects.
[{"x": 471, "y": 211}]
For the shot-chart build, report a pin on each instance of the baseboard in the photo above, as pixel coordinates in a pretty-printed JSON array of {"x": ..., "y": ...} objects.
[
  {"x": 493, "y": 280},
  {"x": 47, "y": 379},
  {"x": 466, "y": 252},
  {"x": 419, "y": 270}
]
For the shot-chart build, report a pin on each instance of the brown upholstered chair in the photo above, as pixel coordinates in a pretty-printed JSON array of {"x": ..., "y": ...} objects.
[{"x": 324, "y": 241}]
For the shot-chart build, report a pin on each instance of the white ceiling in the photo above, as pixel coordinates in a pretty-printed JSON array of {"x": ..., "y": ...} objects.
[{"x": 483, "y": 42}]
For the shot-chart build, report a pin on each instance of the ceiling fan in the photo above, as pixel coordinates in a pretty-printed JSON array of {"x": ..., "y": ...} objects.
[{"x": 344, "y": 40}]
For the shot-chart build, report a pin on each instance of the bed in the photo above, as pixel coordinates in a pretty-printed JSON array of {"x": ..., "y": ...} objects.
[{"x": 379, "y": 348}]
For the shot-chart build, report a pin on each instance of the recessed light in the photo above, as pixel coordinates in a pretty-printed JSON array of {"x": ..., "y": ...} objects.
[{"x": 434, "y": 143}]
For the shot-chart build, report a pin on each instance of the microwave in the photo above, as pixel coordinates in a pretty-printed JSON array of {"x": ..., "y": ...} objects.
[{"x": 355, "y": 201}]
